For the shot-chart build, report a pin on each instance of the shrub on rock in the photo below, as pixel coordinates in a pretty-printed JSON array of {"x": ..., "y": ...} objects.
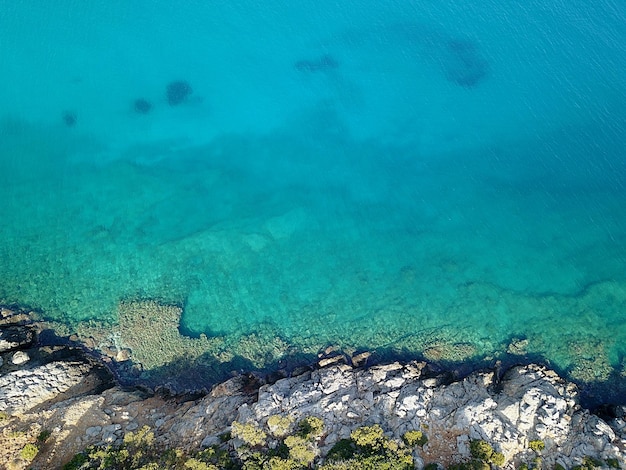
[
  {"x": 370, "y": 438},
  {"x": 415, "y": 438},
  {"x": 249, "y": 433},
  {"x": 300, "y": 450},
  {"x": 482, "y": 451},
  {"x": 29, "y": 452},
  {"x": 311, "y": 427},
  {"x": 279, "y": 426},
  {"x": 537, "y": 445}
]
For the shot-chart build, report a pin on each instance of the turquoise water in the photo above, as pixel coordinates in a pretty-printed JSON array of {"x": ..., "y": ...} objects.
[{"x": 382, "y": 174}]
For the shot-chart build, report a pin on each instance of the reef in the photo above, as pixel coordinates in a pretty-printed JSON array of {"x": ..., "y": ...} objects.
[{"x": 144, "y": 346}]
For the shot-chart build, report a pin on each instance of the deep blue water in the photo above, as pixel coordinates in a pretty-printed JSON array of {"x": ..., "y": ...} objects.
[{"x": 425, "y": 176}]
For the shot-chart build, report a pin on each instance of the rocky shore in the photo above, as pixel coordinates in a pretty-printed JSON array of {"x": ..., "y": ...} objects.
[{"x": 56, "y": 401}]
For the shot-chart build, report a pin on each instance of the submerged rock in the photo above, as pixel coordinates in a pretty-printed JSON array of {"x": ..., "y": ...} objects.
[
  {"x": 177, "y": 92},
  {"x": 322, "y": 64},
  {"x": 464, "y": 65},
  {"x": 69, "y": 118},
  {"x": 142, "y": 106}
]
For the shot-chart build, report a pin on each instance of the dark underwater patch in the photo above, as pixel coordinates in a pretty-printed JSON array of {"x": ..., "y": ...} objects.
[
  {"x": 323, "y": 63},
  {"x": 460, "y": 59},
  {"x": 142, "y": 106},
  {"x": 177, "y": 92},
  {"x": 69, "y": 118},
  {"x": 464, "y": 64}
]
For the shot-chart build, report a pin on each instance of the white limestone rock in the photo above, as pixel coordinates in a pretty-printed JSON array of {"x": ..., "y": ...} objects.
[
  {"x": 19, "y": 358},
  {"x": 22, "y": 390},
  {"x": 530, "y": 403}
]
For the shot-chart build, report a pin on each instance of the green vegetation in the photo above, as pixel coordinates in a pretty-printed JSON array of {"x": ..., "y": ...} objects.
[
  {"x": 278, "y": 463},
  {"x": 195, "y": 464},
  {"x": 300, "y": 450},
  {"x": 483, "y": 453},
  {"x": 311, "y": 427},
  {"x": 537, "y": 464},
  {"x": 537, "y": 445},
  {"x": 43, "y": 436},
  {"x": 612, "y": 463},
  {"x": 414, "y": 438},
  {"x": 590, "y": 463},
  {"x": 29, "y": 452},
  {"x": 368, "y": 448},
  {"x": 249, "y": 433},
  {"x": 149, "y": 458},
  {"x": 77, "y": 462},
  {"x": 279, "y": 426},
  {"x": 481, "y": 450},
  {"x": 289, "y": 447},
  {"x": 139, "y": 451},
  {"x": 343, "y": 449},
  {"x": 473, "y": 464},
  {"x": 497, "y": 458},
  {"x": 369, "y": 438}
]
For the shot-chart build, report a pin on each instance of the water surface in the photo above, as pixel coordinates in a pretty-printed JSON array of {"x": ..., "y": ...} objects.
[{"x": 440, "y": 178}]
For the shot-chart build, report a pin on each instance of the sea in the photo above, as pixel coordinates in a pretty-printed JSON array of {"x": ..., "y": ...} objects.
[{"x": 431, "y": 179}]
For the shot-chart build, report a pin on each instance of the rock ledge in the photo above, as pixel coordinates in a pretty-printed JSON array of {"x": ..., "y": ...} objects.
[{"x": 69, "y": 396}]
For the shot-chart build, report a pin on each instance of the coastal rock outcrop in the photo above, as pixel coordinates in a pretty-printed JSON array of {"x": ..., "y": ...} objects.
[
  {"x": 525, "y": 414},
  {"x": 22, "y": 390},
  {"x": 15, "y": 337},
  {"x": 530, "y": 403}
]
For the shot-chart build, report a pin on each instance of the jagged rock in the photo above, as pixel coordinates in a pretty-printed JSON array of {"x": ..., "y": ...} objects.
[
  {"x": 12, "y": 317},
  {"x": 16, "y": 337},
  {"x": 534, "y": 403},
  {"x": 330, "y": 360},
  {"x": 360, "y": 359},
  {"x": 527, "y": 403},
  {"x": 94, "y": 431},
  {"x": 22, "y": 390}
]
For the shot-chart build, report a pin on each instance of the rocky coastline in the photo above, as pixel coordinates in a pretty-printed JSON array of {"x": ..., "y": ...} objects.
[{"x": 57, "y": 400}]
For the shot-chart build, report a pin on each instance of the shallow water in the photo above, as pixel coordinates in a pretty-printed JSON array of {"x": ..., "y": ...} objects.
[{"x": 440, "y": 178}]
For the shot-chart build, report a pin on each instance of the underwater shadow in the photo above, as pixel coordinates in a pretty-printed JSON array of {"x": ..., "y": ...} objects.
[{"x": 197, "y": 377}]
